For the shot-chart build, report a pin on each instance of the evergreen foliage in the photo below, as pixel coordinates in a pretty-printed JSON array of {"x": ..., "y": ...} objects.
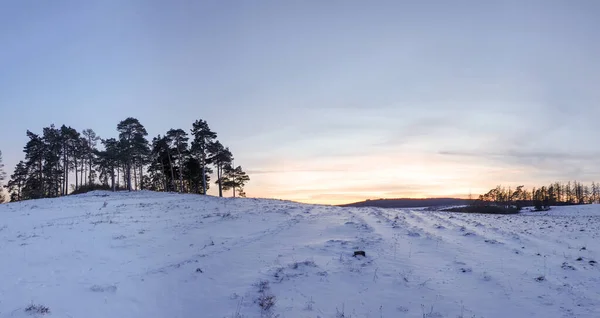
[{"x": 174, "y": 161}]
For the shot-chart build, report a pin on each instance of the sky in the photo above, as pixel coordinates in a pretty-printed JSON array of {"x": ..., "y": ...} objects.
[{"x": 322, "y": 101}]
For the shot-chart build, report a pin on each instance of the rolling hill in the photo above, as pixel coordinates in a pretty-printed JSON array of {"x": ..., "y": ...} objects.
[{"x": 145, "y": 254}]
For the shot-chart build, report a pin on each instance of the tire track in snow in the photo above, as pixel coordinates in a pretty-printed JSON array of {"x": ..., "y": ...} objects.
[
  {"x": 559, "y": 284},
  {"x": 460, "y": 245}
]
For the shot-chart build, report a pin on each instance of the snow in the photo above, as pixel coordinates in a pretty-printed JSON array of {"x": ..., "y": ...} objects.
[{"x": 146, "y": 254}]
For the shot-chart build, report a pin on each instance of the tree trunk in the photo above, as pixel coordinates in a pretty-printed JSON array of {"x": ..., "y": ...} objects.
[
  {"x": 57, "y": 182},
  {"x": 41, "y": 190},
  {"x": 66, "y": 184},
  {"x": 180, "y": 170},
  {"x": 233, "y": 177},
  {"x": 129, "y": 176},
  {"x": 141, "y": 177},
  {"x": 82, "y": 171},
  {"x": 162, "y": 163},
  {"x": 171, "y": 165},
  {"x": 203, "y": 172},
  {"x": 135, "y": 175},
  {"x": 90, "y": 160},
  {"x": 219, "y": 174},
  {"x": 112, "y": 179},
  {"x": 76, "y": 175}
]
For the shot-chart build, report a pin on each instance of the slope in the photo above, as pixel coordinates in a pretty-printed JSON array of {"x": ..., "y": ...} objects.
[{"x": 146, "y": 254}]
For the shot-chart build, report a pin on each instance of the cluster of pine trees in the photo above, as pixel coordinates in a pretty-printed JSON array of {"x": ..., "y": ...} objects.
[
  {"x": 557, "y": 193},
  {"x": 175, "y": 161},
  {"x": 2, "y": 176}
]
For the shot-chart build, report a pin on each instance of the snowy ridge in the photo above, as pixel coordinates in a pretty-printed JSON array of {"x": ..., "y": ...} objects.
[{"x": 146, "y": 254}]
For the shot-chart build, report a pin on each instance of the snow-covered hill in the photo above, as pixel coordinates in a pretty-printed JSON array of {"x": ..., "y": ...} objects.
[{"x": 147, "y": 254}]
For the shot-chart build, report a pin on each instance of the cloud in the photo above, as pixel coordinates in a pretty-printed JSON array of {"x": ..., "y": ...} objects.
[{"x": 541, "y": 165}]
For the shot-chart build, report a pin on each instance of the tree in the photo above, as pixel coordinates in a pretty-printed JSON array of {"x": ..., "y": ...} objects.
[
  {"x": 70, "y": 140},
  {"x": 141, "y": 157},
  {"x": 177, "y": 138},
  {"x": 2, "y": 173},
  {"x": 59, "y": 153},
  {"x": 162, "y": 161},
  {"x": 203, "y": 137},
  {"x": 53, "y": 170},
  {"x": 194, "y": 176},
  {"x": 34, "y": 156},
  {"x": 108, "y": 161},
  {"x": 235, "y": 179},
  {"x": 131, "y": 135},
  {"x": 17, "y": 182},
  {"x": 2, "y": 177},
  {"x": 91, "y": 142},
  {"x": 220, "y": 157}
]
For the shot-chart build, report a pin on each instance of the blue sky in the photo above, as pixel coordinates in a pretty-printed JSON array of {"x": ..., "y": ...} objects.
[{"x": 322, "y": 101}]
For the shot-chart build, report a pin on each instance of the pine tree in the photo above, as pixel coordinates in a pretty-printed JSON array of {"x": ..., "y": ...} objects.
[
  {"x": 2, "y": 177},
  {"x": 53, "y": 171},
  {"x": 70, "y": 139},
  {"x": 34, "y": 156},
  {"x": 235, "y": 179},
  {"x": 91, "y": 143},
  {"x": 162, "y": 161},
  {"x": 220, "y": 158},
  {"x": 108, "y": 161},
  {"x": 203, "y": 137},
  {"x": 141, "y": 157},
  {"x": 178, "y": 139},
  {"x": 17, "y": 182},
  {"x": 2, "y": 173},
  {"x": 131, "y": 134}
]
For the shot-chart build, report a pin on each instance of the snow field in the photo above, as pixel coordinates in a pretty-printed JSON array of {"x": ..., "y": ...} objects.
[{"x": 145, "y": 254}]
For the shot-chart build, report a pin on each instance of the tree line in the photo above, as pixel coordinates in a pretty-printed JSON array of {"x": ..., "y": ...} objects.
[
  {"x": 557, "y": 193},
  {"x": 175, "y": 161}
]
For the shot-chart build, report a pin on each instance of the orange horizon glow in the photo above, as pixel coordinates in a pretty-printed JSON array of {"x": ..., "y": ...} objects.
[
  {"x": 340, "y": 200},
  {"x": 350, "y": 179}
]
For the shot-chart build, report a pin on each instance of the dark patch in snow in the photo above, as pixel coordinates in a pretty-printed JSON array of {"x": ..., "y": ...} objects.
[
  {"x": 566, "y": 265},
  {"x": 104, "y": 288},
  {"x": 540, "y": 278},
  {"x": 492, "y": 241},
  {"x": 359, "y": 253},
  {"x": 37, "y": 309}
]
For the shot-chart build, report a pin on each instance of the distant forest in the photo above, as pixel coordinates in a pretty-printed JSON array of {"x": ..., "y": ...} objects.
[
  {"x": 175, "y": 161},
  {"x": 555, "y": 194},
  {"x": 408, "y": 203}
]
